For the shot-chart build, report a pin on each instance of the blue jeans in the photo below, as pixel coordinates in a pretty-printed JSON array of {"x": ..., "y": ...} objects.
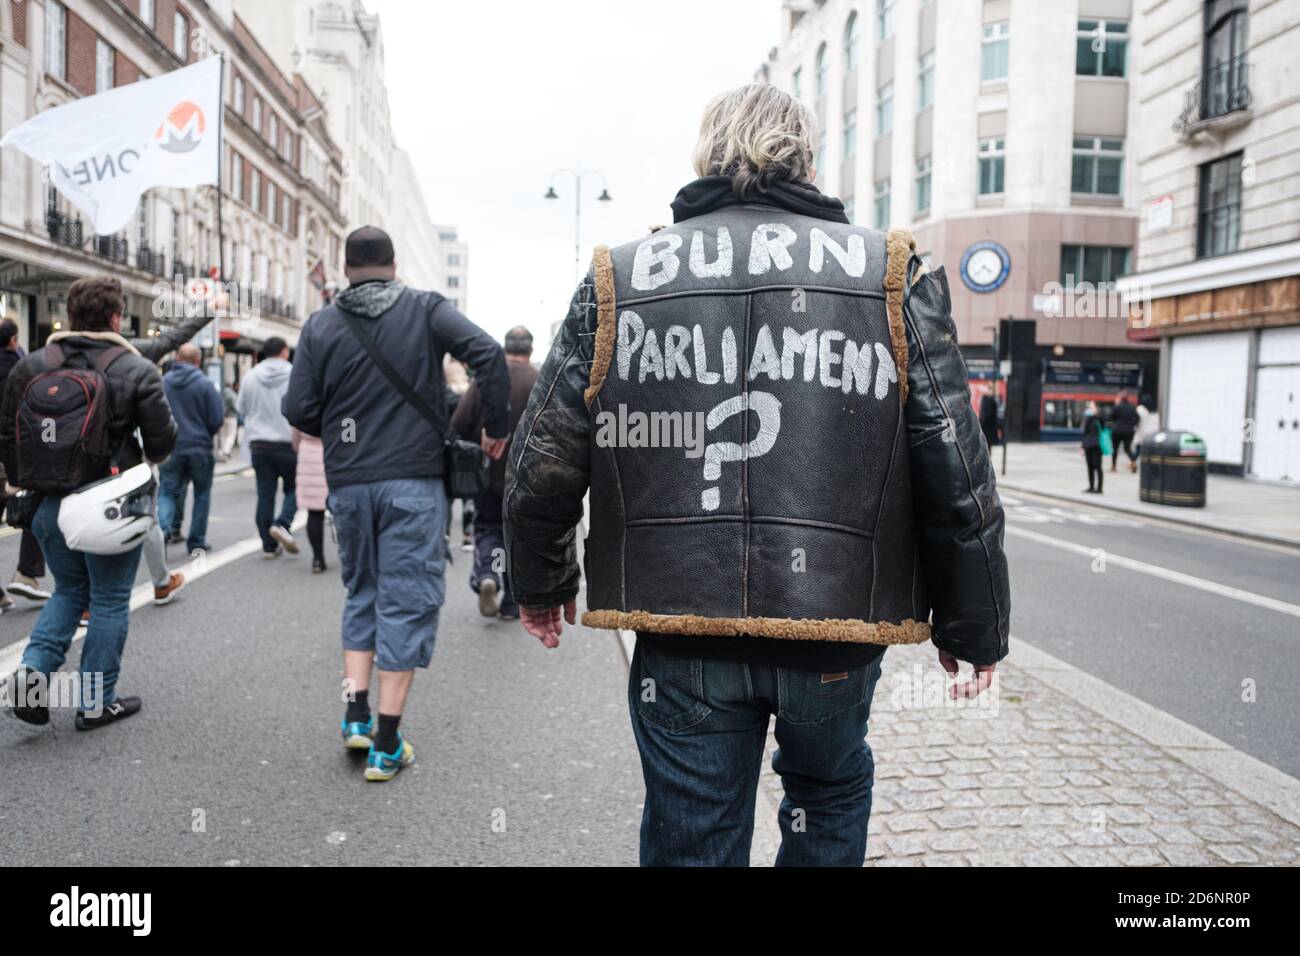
[
  {"x": 175, "y": 476},
  {"x": 101, "y": 583},
  {"x": 393, "y": 555},
  {"x": 700, "y": 726},
  {"x": 274, "y": 462},
  {"x": 489, "y": 544}
]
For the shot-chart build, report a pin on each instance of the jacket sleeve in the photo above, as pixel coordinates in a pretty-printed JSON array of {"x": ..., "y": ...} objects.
[
  {"x": 302, "y": 404},
  {"x": 216, "y": 411},
  {"x": 14, "y": 385},
  {"x": 153, "y": 416},
  {"x": 958, "y": 515},
  {"x": 154, "y": 347},
  {"x": 550, "y": 466},
  {"x": 462, "y": 339}
]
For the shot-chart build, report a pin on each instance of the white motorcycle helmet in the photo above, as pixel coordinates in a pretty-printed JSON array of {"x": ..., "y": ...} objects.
[{"x": 111, "y": 516}]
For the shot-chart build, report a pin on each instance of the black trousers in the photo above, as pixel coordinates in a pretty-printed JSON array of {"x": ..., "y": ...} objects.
[
  {"x": 1125, "y": 439},
  {"x": 1093, "y": 456}
]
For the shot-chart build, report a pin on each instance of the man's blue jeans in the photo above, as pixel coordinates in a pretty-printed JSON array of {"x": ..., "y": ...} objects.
[
  {"x": 175, "y": 476},
  {"x": 100, "y": 583},
  {"x": 393, "y": 554},
  {"x": 274, "y": 462},
  {"x": 701, "y": 725}
]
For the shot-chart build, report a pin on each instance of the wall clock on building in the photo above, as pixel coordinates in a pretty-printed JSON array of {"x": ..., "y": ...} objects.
[{"x": 985, "y": 266}]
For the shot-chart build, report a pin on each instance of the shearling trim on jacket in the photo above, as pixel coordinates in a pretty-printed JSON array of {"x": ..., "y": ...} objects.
[
  {"x": 603, "y": 268},
  {"x": 900, "y": 245},
  {"x": 799, "y": 629},
  {"x": 97, "y": 336}
]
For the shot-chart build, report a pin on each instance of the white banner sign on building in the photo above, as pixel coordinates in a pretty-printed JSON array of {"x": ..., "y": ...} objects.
[{"x": 105, "y": 151}]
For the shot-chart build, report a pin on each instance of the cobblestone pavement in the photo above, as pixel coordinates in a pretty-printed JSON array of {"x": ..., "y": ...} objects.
[{"x": 1033, "y": 778}]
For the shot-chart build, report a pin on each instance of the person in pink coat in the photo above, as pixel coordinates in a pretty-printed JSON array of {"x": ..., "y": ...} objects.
[{"x": 312, "y": 493}]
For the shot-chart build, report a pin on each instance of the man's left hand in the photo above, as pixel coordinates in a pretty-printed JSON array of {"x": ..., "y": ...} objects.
[
  {"x": 494, "y": 448},
  {"x": 544, "y": 622},
  {"x": 972, "y": 688}
]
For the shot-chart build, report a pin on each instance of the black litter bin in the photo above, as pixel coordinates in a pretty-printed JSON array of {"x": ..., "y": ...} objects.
[{"x": 1174, "y": 469}]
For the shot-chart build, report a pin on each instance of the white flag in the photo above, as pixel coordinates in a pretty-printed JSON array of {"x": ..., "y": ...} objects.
[{"x": 105, "y": 151}]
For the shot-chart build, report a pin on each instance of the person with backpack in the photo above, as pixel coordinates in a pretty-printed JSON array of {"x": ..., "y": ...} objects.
[
  {"x": 368, "y": 381},
  {"x": 68, "y": 421}
]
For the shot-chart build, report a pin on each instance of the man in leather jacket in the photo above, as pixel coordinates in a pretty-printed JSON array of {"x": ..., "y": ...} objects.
[{"x": 770, "y": 411}]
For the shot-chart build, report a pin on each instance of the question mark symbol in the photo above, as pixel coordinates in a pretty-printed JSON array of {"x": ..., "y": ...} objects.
[{"x": 768, "y": 408}]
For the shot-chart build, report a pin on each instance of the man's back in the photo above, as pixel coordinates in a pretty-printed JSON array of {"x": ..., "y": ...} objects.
[{"x": 260, "y": 397}]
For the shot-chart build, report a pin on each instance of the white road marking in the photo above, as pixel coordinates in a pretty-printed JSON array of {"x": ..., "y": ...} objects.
[
  {"x": 1155, "y": 571},
  {"x": 142, "y": 596}
]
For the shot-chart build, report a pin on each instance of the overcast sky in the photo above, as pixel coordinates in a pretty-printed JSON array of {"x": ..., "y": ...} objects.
[{"x": 491, "y": 98}]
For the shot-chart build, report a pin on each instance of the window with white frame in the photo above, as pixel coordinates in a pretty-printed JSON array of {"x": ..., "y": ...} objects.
[
  {"x": 237, "y": 175},
  {"x": 256, "y": 183},
  {"x": 850, "y": 134},
  {"x": 924, "y": 81},
  {"x": 453, "y": 282},
  {"x": 239, "y": 94},
  {"x": 923, "y": 184},
  {"x": 992, "y": 165},
  {"x": 286, "y": 211},
  {"x": 884, "y": 20},
  {"x": 272, "y": 207},
  {"x": 820, "y": 73},
  {"x": 146, "y": 13},
  {"x": 880, "y": 204},
  {"x": 1101, "y": 48},
  {"x": 885, "y": 109},
  {"x": 56, "y": 40},
  {"x": 1098, "y": 165},
  {"x": 180, "y": 35},
  {"x": 257, "y": 114},
  {"x": 852, "y": 42},
  {"x": 995, "y": 50},
  {"x": 453, "y": 259},
  {"x": 274, "y": 128},
  {"x": 103, "y": 66}
]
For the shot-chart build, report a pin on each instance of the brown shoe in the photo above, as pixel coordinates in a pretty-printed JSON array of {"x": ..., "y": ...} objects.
[{"x": 167, "y": 592}]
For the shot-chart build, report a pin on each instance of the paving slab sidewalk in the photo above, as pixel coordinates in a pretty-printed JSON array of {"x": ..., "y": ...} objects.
[
  {"x": 1243, "y": 507},
  {"x": 1040, "y": 777}
]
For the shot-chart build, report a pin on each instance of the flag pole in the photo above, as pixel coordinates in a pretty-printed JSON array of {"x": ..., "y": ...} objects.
[{"x": 221, "y": 240}]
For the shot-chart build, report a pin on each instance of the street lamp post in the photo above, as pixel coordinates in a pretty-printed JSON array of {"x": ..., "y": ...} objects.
[{"x": 578, "y": 175}]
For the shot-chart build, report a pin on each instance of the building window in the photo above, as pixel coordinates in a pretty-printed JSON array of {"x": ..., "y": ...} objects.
[
  {"x": 180, "y": 35},
  {"x": 56, "y": 46},
  {"x": 796, "y": 80},
  {"x": 103, "y": 66},
  {"x": 820, "y": 73},
  {"x": 239, "y": 94},
  {"x": 880, "y": 205},
  {"x": 1223, "y": 80},
  {"x": 176, "y": 240},
  {"x": 1098, "y": 165},
  {"x": 272, "y": 207},
  {"x": 257, "y": 114},
  {"x": 995, "y": 51},
  {"x": 884, "y": 20},
  {"x": 925, "y": 81},
  {"x": 286, "y": 212},
  {"x": 923, "y": 184},
  {"x": 992, "y": 159},
  {"x": 146, "y": 13},
  {"x": 1218, "y": 216},
  {"x": 850, "y": 134},
  {"x": 852, "y": 42},
  {"x": 256, "y": 182},
  {"x": 1101, "y": 48},
  {"x": 1098, "y": 265},
  {"x": 453, "y": 282},
  {"x": 237, "y": 175},
  {"x": 885, "y": 109},
  {"x": 273, "y": 122},
  {"x": 453, "y": 259}
]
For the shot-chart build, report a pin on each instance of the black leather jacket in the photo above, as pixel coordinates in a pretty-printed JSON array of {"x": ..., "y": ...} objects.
[
  {"x": 864, "y": 508},
  {"x": 135, "y": 393}
]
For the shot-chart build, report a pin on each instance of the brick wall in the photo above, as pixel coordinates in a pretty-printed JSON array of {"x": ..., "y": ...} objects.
[
  {"x": 81, "y": 55},
  {"x": 124, "y": 71}
]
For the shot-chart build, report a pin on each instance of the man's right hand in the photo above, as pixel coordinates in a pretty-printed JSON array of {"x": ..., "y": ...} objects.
[
  {"x": 544, "y": 622},
  {"x": 494, "y": 448}
]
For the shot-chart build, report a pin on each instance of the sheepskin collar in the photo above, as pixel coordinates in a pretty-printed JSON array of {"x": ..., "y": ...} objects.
[{"x": 110, "y": 337}]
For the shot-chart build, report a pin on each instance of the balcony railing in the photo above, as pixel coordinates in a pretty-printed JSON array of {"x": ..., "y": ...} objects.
[
  {"x": 151, "y": 261},
  {"x": 114, "y": 248},
  {"x": 65, "y": 230},
  {"x": 182, "y": 269},
  {"x": 1224, "y": 89}
]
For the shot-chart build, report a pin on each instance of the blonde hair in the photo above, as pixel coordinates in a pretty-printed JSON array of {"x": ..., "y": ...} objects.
[{"x": 757, "y": 135}]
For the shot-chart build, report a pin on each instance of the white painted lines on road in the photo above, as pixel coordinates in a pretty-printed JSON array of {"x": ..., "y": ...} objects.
[
  {"x": 1156, "y": 571},
  {"x": 142, "y": 596}
]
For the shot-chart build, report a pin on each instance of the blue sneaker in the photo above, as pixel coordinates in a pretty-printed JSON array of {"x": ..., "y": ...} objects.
[
  {"x": 358, "y": 735},
  {"x": 382, "y": 766}
]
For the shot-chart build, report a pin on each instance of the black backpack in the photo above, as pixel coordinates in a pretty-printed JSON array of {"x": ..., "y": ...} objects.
[{"x": 62, "y": 424}]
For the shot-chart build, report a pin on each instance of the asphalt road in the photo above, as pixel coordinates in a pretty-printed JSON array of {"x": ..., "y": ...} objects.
[{"x": 525, "y": 756}]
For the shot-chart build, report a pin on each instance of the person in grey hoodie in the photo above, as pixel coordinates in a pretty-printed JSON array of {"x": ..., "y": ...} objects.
[{"x": 270, "y": 445}]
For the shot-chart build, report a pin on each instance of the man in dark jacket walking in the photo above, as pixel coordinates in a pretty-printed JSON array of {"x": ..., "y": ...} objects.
[
  {"x": 199, "y": 415},
  {"x": 1124, "y": 423},
  {"x": 82, "y": 580},
  {"x": 487, "y": 578},
  {"x": 773, "y": 418},
  {"x": 384, "y": 461},
  {"x": 31, "y": 563}
]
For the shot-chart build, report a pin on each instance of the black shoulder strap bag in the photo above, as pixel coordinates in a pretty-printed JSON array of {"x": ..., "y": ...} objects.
[{"x": 466, "y": 471}]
